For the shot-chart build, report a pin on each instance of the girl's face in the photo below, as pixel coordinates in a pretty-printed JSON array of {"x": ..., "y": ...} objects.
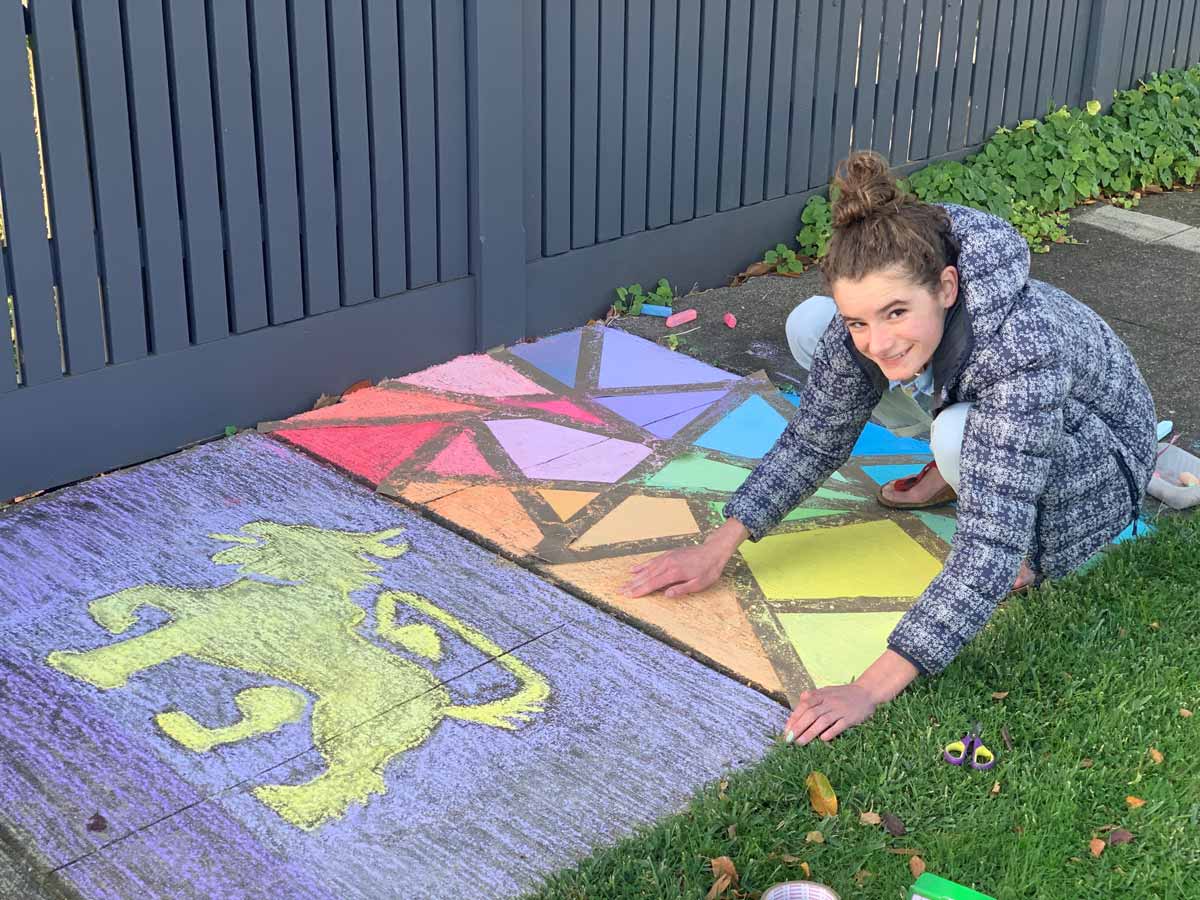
[{"x": 894, "y": 321}]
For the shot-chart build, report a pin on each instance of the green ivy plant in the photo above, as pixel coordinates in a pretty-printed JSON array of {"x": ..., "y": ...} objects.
[
  {"x": 1031, "y": 175},
  {"x": 630, "y": 299},
  {"x": 783, "y": 258}
]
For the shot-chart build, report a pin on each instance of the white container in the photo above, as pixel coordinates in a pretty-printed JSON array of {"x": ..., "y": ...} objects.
[{"x": 1164, "y": 484}]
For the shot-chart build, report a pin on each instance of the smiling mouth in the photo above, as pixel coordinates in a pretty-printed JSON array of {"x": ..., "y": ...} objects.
[{"x": 892, "y": 359}]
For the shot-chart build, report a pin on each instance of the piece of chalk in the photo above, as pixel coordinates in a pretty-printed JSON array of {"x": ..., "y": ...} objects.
[
  {"x": 1164, "y": 428},
  {"x": 652, "y": 309},
  {"x": 731, "y": 320},
  {"x": 681, "y": 317}
]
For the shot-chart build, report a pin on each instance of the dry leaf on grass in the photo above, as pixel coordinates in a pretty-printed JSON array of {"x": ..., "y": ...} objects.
[
  {"x": 788, "y": 860},
  {"x": 916, "y": 865},
  {"x": 814, "y": 837},
  {"x": 820, "y": 794},
  {"x": 1120, "y": 836},
  {"x": 725, "y": 874},
  {"x": 722, "y": 787},
  {"x": 869, "y": 818},
  {"x": 1008, "y": 744},
  {"x": 905, "y": 851},
  {"x": 1186, "y": 713},
  {"x": 862, "y": 876},
  {"x": 806, "y": 869},
  {"x": 999, "y": 695},
  {"x": 1156, "y": 755},
  {"x": 893, "y": 824},
  {"x": 1134, "y": 802},
  {"x": 1085, "y": 763},
  {"x": 732, "y": 832},
  {"x": 1096, "y": 846},
  {"x": 995, "y": 792}
]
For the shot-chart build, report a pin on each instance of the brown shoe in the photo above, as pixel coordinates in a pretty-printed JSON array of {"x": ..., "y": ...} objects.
[{"x": 900, "y": 485}]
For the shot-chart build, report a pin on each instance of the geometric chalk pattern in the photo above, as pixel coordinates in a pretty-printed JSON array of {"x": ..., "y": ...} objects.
[
  {"x": 234, "y": 672},
  {"x": 670, "y": 439}
]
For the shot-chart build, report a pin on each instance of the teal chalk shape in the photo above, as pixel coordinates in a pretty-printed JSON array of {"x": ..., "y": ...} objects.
[
  {"x": 876, "y": 440},
  {"x": 943, "y": 526},
  {"x": 749, "y": 431}
]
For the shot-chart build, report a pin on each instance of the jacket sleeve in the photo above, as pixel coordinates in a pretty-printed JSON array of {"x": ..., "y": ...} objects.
[
  {"x": 1008, "y": 441},
  {"x": 836, "y": 402}
]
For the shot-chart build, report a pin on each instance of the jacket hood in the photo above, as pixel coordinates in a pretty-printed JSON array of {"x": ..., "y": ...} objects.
[{"x": 993, "y": 266}]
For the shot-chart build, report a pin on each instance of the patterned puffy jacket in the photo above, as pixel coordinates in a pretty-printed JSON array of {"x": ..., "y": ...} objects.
[{"x": 1056, "y": 455}]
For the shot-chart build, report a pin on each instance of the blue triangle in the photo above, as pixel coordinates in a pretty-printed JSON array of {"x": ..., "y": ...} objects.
[
  {"x": 884, "y": 474},
  {"x": 878, "y": 441},
  {"x": 750, "y": 430},
  {"x": 557, "y": 356}
]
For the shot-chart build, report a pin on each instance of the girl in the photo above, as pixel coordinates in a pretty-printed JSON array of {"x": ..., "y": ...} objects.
[{"x": 1041, "y": 425}]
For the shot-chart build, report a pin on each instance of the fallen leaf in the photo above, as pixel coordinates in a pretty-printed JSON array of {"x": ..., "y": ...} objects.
[
  {"x": 806, "y": 869},
  {"x": 999, "y": 695},
  {"x": 869, "y": 818},
  {"x": 1120, "y": 836},
  {"x": 725, "y": 874},
  {"x": 1096, "y": 846},
  {"x": 759, "y": 268},
  {"x": 722, "y": 787},
  {"x": 732, "y": 832},
  {"x": 97, "y": 823},
  {"x": 1186, "y": 713},
  {"x": 325, "y": 400},
  {"x": 1085, "y": 763},
  {"x": 1104, "y": 829},
  {"x": 862, "y": 876},
  {"x": 905, "y": 851},
  {"x": 788, "y": 860},
  {"x": 820, "y": 794},
  {"x": 1156, "y": 755},
  {"x": 814, "y": 837},
  {"x": 1135, "y": 802},
  {"x": 893, "y": 824},
  {"x": 996, "y": 789},
  {"x": 1154, "y": 626},
  {"x": 357, "y": 386},
  {"x": 1007, "y": 738},
  {"x": 916, "y": 865}
]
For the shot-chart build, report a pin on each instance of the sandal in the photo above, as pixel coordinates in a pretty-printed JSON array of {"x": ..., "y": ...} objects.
[{"x": 945, "y": 495}]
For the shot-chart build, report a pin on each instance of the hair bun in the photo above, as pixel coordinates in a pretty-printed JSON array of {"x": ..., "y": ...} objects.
[{"x": 864, "y": 188}]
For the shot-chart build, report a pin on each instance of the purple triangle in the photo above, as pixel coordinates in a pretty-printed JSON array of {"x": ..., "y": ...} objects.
[
  {"x": 531, "y": 442},
  {"x": 645, "y": 409},
  {"x": 630, "y": 361}
]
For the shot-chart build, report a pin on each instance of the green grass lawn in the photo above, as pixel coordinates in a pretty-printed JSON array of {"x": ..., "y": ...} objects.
[{"x": 1097, "y": 668}]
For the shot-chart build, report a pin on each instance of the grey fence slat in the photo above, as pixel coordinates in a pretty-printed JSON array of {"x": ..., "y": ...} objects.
[
  {"x": 314, "y": 155},
  {"x": 977, "y": 124},
  {"x": 1001, "y": 49},
  {"x": 662, "y": 112},
  {"x": 1188, "y": 28},
  {"x": 452, "y": 138},
  {"x": 387, "y": 147},
  {"x": 687, "y": 88},
  {"x": 868, "y": 61},
  {"x": 154, "y": 165},
  {"x": 964, "y": 74},
  {"x": 557, "y": 133},
  {"x": 99, "y": 23},
  {"x": 1187, "y": 11},
  {"x": 733, "y": 122},
  {"x": 1129, "y": 48},
  {"x": 779, "y": 117},
  {"x": 926, "y": 80},
  {"x": 1157, "y": 35},
  {"x": 758, "y": 95},
  {"x": 1066, "y": 42},
  {"x": 585, "y": 80},
  {"x": 803, "y": 90},
  {"x": 239, "y": 165},
  {"x": 1031, "y": 97},
  {"x": 1171, "y": 44},
  {"x": 637, "y": 115},
  {"x": 1018, "y": 52},
  {"x": 416, "y": 57},
  {"x": 612, "y": 117},
  {"x": 829, "y": 32},
  {"x": 1079, "y": 53},
  {"x": 843, "y": 108},
  {"x": 8, "y": 359},
  {"x": 943, "y": 95},
  {"x": 277, "y": 159},
  {"x": 356, "y": 227},
  {"x": 68, "y": 185},
  {"x": 910, "y": 45},
  {"x": 24, "y": 222},
  {"x": 533, "y": 128},
  {"x": 712, "y": 71},
  {"x": 1145, "y": 38},
  {"x": 1051, "y": 58},
  {"x": 203, "y": 238},
  {"x": 889, "y": 78}
]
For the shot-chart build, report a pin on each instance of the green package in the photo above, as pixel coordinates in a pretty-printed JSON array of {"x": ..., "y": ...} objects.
[{"x": 931, "y": 887}]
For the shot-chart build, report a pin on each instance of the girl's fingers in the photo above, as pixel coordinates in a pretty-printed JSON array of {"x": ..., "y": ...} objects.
[
  {"x": 686, "y": 588},
  {"x": 817, "y": 727},
  {"x": 837, "y": 728}
]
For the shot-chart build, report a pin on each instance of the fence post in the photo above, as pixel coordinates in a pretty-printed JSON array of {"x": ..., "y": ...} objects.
[
  {"x": 495, "y": 63},
  {"x": 1106, "y": 41}
]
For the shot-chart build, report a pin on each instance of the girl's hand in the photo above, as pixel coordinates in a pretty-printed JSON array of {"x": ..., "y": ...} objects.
[
  {"x": 827, "y": 712},
  {"x": 688, "y": 569}
]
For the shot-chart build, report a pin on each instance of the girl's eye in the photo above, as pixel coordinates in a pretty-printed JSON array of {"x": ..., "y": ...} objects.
[{"x": 895, "y": 313}]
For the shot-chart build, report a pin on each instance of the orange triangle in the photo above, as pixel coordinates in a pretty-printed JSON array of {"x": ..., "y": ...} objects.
[
  {"x": 493, "y": 513},
  {"x": 567, "y": 503}
]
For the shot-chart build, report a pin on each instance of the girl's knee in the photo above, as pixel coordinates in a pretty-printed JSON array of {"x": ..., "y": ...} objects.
[{"x": 805, "y": 325}]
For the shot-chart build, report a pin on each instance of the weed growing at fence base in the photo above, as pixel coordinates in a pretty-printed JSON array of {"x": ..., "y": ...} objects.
[{"x": 1032, "y": 174}]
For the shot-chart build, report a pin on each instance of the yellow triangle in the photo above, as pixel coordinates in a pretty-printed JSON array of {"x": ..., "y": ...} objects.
[
  {"x": 567, "y": 503},
  {"x": 639, "y": 518},
  {"x": 838, "y": 647}
]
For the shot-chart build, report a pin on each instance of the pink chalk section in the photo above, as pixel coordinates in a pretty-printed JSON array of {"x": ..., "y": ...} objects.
[
  {"x": 480, "y": 375},
  {"x": 461, "y": 457},
  {"x": 381, "y": 403},
  {"x": 371, "y": 451}
]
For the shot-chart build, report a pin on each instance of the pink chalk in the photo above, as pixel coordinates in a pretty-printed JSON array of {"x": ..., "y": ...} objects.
[
  {"x": 681, "y": 317},
  {"x": 731, "y": 320}
]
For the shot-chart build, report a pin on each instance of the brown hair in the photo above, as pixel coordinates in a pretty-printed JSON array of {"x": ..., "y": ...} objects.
[{"x": 876, "y": 226}]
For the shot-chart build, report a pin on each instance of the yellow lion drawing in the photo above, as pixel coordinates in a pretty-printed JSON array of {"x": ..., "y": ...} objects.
[{"x": 295, "y": 622}]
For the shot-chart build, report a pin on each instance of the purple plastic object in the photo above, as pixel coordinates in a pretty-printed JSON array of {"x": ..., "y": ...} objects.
[{"x": 970, "y": 749}]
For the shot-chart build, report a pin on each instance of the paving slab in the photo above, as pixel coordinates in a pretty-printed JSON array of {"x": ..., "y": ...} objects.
[
  {"x": 1137, "y": 225},
  {"x": 235, "y": 672},
  {"x": 1179, "y": 206}
]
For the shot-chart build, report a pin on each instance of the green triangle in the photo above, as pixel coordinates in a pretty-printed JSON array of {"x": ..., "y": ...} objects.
[
  {"x": 838, "y": 647},
  {"x": 796, "y": 515},
  {"x": 942, "y": 526},
  {"x": 829, "y": 494},
  {"x": 694, "y": 472}
]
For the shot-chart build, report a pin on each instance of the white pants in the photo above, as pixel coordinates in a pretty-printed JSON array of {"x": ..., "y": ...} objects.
[{"x": 896, "y": 410}]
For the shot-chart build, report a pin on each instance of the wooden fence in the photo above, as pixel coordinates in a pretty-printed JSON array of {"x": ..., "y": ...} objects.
[{"x": 214, "y": 211}]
